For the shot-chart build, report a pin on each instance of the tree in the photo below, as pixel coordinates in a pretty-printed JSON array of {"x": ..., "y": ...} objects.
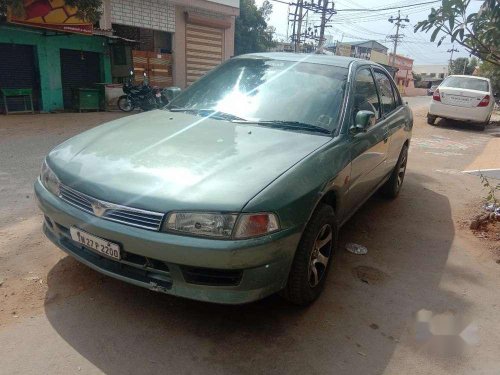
[
  {"x": 492, "y": 72},
  {"x": 463, "y": 65},
  {"x": 478, "y": 32},
  {"x": 417, "y": 77},
  {"x": 88, "y": 10},
  {"x": 252, "y": 34}
]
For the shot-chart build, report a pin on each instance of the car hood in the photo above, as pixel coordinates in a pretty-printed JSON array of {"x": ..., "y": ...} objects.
[{"x": 165, "y": 161}]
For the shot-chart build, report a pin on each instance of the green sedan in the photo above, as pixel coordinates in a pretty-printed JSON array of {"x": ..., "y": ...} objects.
[{"x": 237, "y": 189}]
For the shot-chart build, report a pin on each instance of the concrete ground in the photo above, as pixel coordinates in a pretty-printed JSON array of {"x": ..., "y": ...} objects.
[{"x": 424, "y": 300}]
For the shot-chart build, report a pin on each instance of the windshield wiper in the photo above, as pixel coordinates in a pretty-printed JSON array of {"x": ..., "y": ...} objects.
[
  {"x": 288, "y": 125},
  {"x": 208, "y": 113}
]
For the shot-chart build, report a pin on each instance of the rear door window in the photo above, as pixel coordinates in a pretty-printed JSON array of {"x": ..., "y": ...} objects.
[
  {"x": 466, "y": 83},
  {"x": 387, "y": 100}
]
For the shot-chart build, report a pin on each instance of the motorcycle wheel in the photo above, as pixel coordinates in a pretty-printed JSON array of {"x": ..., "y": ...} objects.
[{"x": 125, "y": 104}]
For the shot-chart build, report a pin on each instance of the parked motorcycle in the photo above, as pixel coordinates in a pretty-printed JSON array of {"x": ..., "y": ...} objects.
[{"x": 141, "y": 96}]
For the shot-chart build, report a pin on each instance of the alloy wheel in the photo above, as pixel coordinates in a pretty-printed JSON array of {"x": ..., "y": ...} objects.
[
  {"x": 402, "y": 170},
  {"x": 320, "y": 255}
]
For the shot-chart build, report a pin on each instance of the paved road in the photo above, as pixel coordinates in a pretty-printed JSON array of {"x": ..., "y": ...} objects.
[{"x": 59, "y": 317}]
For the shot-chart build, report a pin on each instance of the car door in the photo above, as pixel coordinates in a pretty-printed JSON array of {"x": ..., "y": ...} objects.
[
  {"x": 394, "y": 117},
  {"x": 368, "y": 149}
]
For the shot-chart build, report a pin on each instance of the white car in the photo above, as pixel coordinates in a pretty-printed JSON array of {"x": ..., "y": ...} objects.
[{"x": 463, "y": 98}]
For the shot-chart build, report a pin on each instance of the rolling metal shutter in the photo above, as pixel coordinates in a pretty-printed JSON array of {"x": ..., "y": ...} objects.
[
  {"x": 79, "y": 69},
  {"x": 204, "y": 50},
  {"x": 17, "y": 71}
]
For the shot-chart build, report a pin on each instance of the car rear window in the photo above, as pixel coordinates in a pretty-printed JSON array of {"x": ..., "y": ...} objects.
[{"x": 466, "y": 83}]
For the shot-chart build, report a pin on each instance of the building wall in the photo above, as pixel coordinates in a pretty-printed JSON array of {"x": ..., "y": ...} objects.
[
  {"x": 379, "y": 57},
  {"x": 427, "y": 70},
  {"x": 149, "y": 14},
  {"x": 47, "y": 52},
  {"x": 180, "y": 37}
]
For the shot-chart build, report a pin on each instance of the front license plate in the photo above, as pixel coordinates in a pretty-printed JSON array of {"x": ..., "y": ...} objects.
[{"x": 99, "y": 245}]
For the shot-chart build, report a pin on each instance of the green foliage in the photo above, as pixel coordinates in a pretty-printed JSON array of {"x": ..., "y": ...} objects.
[
  {"x": 490, "y": 190},
  {"x": 252, "y": 33},
  {"x": 88, "y": 10},
  {"x": 478, "y": 32},
  {"x": 463, "y": 65},
  {"x": 417, "y": 77},
  {"x": 492, "y": 72}
]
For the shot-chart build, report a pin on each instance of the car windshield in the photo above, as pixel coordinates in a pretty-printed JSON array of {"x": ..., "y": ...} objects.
[
  {"x": 270, "y": 92},
  {"x": 466, "y": 83}
]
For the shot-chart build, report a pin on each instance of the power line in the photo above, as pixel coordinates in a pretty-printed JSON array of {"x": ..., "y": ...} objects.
[
  {"x": 366, "y": 9},
  {"x": 388, "y": 8}
]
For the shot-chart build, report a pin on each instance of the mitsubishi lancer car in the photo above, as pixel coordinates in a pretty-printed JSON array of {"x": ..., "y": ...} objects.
[{"x": 237, "y": 189}]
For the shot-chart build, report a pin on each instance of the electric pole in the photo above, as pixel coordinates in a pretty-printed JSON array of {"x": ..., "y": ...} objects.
[
  {"x": 453, "y": 49},
  {"x": 323, "y": 24},
  {"x": 299, "y": 26},
  {"x": 399, "y": 24},
  {"x": 325, "y": 8}
]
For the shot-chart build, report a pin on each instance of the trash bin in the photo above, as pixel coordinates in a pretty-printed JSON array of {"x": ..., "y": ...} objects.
[
  {"x": 109, "y": 94},
  {"x": 86, "y": 99}
]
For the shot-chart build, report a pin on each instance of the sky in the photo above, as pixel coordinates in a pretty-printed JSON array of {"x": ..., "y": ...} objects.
[{"x": 374, "y": 25}]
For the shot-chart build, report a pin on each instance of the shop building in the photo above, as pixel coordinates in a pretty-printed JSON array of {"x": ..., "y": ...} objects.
[
  {"x": 174, "y": 42},
  {"x": 404, "y": 76}
]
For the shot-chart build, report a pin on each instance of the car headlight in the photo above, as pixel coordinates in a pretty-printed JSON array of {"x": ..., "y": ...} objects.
[
  {"x": 49, "y": 179},
  {"x": 220, "y": 225}
]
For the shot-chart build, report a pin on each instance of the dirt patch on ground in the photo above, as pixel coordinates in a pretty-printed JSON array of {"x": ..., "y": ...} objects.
[
  {"x": 488, "y": 232},
  {"x": 26, "y": 256},
  {"x": 369, "y": 275}
]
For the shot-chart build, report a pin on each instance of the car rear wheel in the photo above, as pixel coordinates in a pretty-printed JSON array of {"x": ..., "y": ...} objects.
[
  {"x": 431, "y": 119},
  {"x": 393, "y": 186},
  {"x": 312, "y": 258}
]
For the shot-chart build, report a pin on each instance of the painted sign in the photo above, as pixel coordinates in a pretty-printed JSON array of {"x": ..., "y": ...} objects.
[
  {"x": 343, "y": 49},
  {"x": 51, "y": 14}
]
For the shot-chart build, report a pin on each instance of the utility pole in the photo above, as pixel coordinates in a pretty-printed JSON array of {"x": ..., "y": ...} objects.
[
  {"x": 323, "y": 24},
  {"x": 299, "y": 26},
  {"x": 453, "y": 49},
  {"x": 398, "y": 22},
  {"x": 325, "y": 8}
]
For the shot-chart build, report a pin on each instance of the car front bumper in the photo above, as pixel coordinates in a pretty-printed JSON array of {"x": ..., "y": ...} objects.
[
  {"x": 238, "y": 271},
  {"x": 453, "y": 112}
]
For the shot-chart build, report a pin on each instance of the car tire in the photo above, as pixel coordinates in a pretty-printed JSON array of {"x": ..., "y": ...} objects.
[
  {"x": 393, "y": 185},
  {"x": 483, "y": 125},
  {"x": 317, "y": 247},
  {"x": 431, "y": 119}
]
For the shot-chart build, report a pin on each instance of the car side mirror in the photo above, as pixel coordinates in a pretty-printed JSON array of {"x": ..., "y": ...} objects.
[
  {"x": 363, "y": 120},
  {"x": 172, "y": 92}
]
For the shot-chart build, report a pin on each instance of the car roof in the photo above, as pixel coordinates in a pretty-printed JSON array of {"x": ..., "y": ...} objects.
[
  {"x": 339, "y": 61},
  {"x": 468, "y": 76}
]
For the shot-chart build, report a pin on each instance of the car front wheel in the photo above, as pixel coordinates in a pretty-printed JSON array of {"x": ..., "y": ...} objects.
[
  {"x": 312, "y": 258},
  {"x": 431, "y": 119}
]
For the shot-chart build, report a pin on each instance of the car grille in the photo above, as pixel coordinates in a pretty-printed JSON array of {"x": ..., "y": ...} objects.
[{"x": 126, "y": 215}]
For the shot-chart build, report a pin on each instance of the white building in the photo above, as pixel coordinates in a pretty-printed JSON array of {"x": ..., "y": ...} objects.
[{"x": 436, "y": 72}]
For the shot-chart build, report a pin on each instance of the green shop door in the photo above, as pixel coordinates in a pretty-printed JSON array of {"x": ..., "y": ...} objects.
[
  {"x": 79, "y": 69},
  {"x": 18, "y": 71}
]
